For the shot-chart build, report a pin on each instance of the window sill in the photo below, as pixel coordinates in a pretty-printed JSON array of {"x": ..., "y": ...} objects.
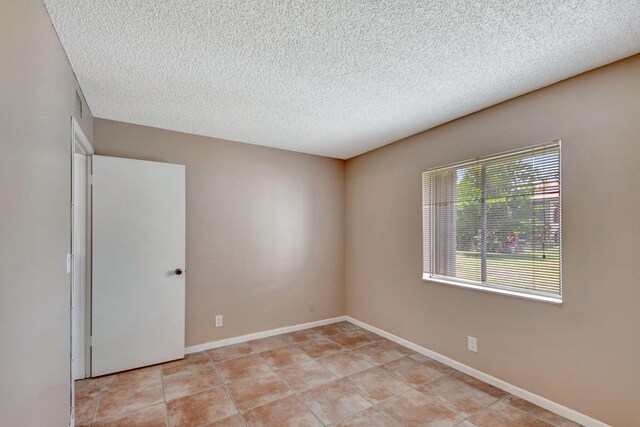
[{"x": 550, "y": 300}]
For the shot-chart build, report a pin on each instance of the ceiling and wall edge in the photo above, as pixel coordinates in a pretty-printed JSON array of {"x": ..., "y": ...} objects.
[{"x": 333, "y": 79}]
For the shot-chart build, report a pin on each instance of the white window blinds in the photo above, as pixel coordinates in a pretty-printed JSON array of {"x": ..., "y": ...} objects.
[{"x": 494, "y": 223}]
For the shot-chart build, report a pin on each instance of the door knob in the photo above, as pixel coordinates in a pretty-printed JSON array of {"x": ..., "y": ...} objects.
[{"x": 178, "y": 271}]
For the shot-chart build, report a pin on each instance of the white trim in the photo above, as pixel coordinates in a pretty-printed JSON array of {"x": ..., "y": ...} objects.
[
  {"x": 263, "y": 334},
  {"x": 79, "y": 312},
  {"x": 493, "y": 290},
  {"x": 78, "y": 136},
  {"x": 554, "y": 407}
]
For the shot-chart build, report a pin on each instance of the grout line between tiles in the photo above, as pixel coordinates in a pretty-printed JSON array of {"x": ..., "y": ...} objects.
[
  {"x": 224, "y": 384},
  {"x": 102, "y": 390},
  {"x": 448, "y": 406},
  {"x": 164, "y": 397},
  {"x": 95, "y": 408},
  {"x": 485, "y": 407},
  {"x": 299, "y": 397},
  {"x": 295, "y": 394},
  {"x": 412, "y": 388},
  {"x": 520, "y": 409},
  {"x": 466, "y": 420},
  {"x": 384, "y": 414},
  {"x": 346, "y": 378}
]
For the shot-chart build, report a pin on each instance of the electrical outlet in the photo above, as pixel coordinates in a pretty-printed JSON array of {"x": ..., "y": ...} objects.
[
  {"x": 219, "y": 320},
  {"x": 472, "y": 344},
  {"x": 311, "y": 307}
]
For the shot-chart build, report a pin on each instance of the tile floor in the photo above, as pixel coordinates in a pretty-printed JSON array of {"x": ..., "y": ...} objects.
[{"x": 337, "y": 375}]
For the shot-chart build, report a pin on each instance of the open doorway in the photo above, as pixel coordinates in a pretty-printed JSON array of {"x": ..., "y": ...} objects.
[{"x": 80, "y": 262}]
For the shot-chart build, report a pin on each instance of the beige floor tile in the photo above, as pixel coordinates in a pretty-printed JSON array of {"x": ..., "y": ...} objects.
[
  {"x": 535, "y": 410},
  {"x": 352, "y": 327},
  {"x": 320, "y": 347},
  {"x": 378, "y": 353},
  {"x": 134, "y": 376},
  {"x": 438, "y": 366},
  {"x": 88, "y": 387},
  {"x": 344, "y": 363},
  {"x": 243, "y": 367},
  {"x": 352, "y": 339},
  {"x": 334, "y": 401},
  {"x": 371, "y": 417},
  {"x": 368, "y": 334},
  {"x": 461, "y": 397},
  {"x": 347, "y": 325},
  {"x": 152, "y": 416},
  {"x": 377, "y": 385},
  {"x": 306, "y": 335},
  {"x": 232, "y": 421},
  {"x": 85, "y": 408},
  {"x": 201, "y": 408},
  {"x": 501, "y": 414},
  {"x": 228, "y": 352},
  {"x": 414, "y": 409},
  {"x": 259, "y": 390},
  {"x": 399, "y": 348},
  {"x": 287, "y": 412},
  {"x": 269, "y": 343},
  {"x": 307, "y": 375},
  {"x": 117, "y": 400},
  {"x": 334, "y": 328},
  {"x": 281, "y": 357},
  {"x": 190, "y": 381},
  {"x": 474, "y": 382},
  {"x": 189, "y": 361},
  {"x": 411, "y": 372}
]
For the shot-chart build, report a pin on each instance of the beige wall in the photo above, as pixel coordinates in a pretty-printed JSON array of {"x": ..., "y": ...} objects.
[
  {"x": 265, "y": 229},
  {"x": 37, "y": 99},
  {"x": 583, "y": 354}
]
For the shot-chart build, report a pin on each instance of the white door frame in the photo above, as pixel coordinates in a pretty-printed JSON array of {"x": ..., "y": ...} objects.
[{"x": 80, "y": 286}]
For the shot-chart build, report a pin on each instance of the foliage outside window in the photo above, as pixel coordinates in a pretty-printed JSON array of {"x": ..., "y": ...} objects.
[{"x": 494, "y": 223}]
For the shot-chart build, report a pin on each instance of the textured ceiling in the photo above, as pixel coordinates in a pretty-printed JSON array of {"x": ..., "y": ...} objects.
[{"x": 335, "y": 78}]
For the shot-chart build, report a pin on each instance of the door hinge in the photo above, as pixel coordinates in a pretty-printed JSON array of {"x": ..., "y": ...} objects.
[
  {"x": 90, "y": 179},
  {"x": 69, "y": 263}
]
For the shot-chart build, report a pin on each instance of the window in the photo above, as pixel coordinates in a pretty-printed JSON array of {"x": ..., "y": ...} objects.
[{"x": 493, "y": 223}]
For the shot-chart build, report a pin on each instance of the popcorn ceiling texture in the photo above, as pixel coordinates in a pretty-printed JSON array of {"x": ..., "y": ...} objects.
[{"x": 335, "y": 78}]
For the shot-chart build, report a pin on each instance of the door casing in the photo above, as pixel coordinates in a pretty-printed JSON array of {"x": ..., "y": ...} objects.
[{"x": 80, "y": 257}]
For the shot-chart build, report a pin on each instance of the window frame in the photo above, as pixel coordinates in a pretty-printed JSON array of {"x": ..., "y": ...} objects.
[{"x": 492, "y": 288}]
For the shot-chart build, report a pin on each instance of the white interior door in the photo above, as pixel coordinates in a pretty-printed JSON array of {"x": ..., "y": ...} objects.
[{"x": 138, "y": 245}]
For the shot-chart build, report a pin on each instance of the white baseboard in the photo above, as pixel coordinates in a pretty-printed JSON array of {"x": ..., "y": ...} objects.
[
  {"x": 263, "y": 334},
  {"x": 554, "y": 407}
]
